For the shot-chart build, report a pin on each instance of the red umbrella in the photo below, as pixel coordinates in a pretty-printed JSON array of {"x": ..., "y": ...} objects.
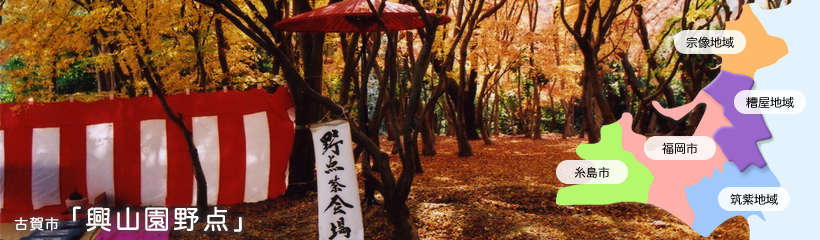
[{"x": 356, "y": 16}]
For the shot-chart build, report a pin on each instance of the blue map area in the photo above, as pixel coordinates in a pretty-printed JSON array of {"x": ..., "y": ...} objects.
[
  {"x": 703, "y": 196},
  {"x": 793, "y": 147}
]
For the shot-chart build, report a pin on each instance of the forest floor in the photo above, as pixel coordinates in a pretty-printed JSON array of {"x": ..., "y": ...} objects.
[{"x": 505, "y": 191}]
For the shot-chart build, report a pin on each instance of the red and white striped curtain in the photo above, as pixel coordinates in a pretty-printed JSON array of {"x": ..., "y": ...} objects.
[{"x": 129, "y": 151}]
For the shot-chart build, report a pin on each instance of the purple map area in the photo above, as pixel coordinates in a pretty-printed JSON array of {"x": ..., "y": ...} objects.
[{"x": 739, "y": 141}]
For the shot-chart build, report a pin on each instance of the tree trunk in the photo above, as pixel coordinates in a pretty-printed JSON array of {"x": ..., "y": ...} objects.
[
  {"x": 349, "y": 72},
  {"x": 589, "y": 43},
  {"x": 402, "y": 221},
  {"x": 496, "y": 109},
  {"x": 554, "y": 114},
  {"x": 102, "y": 81},
  {"x": 526, "y": 117},
  {"x": 512, "y": 117},
  {"x": 450, "y": 130},
  {"x": 470, "y": 106},
  {"x": 202, "y": 75},
  {"x": 485, "y": 133},
  {"x": 367, "y": 126},
  {"x": 597, "y": 92},
  {"x": 302, "y": 168},
  {"x": 428, "y": 139},
  {"x": 111, "y": 80},
  {"x": 650, "y": 58},
  {"x": 362, "y": 109},
  {"x": 464, "y": 148},
  {"x": 434, "y": 118},
  {"x": 519, "y": 111},
  {"x": 569, "y": 118},
  {"x": 222, "y": 47},
  {"x": 582, "y": 132},
  {"x": 536, "y": 102},
  {"x": 593, "y": 133},
  {"x": 694, "y": 119},
  {"x": 153, "y": 80},
  {"x": 414, "y": 144},
  {"x": 126, "y": 80},
  {"x": 653, "y": 124},
  {"x": 482, "y": 123}
]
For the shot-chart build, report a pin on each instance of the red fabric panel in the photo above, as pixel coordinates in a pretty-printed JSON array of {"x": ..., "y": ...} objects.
[
  {"x": 281, "y": 140},
  {"x": 231, "y": 159},
  {"x": 17, "y": 192},
  {"x": 180, "y": 171},
  {"x": 126, "y": 163},
  {"x": 72, "y": 161}
]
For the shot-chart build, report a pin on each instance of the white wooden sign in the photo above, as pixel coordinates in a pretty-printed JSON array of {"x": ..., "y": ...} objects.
[{"x": 340, "y": 214}]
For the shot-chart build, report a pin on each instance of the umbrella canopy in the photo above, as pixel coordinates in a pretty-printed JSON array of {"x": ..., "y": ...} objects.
[{"x": 356, "y": 16}]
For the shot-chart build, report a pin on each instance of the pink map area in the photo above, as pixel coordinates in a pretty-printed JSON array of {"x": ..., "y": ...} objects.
[{"x": 672, "y": 176}]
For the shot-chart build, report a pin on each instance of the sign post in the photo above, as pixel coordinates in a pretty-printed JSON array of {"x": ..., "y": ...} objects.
[{"x": 340, "y": 214}]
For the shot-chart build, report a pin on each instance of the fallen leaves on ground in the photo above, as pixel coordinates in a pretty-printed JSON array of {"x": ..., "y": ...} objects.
[{"x": 505, "y": 191}]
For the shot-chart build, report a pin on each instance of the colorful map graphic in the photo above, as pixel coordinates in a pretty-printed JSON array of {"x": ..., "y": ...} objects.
[{"x": 689, "y": 189}]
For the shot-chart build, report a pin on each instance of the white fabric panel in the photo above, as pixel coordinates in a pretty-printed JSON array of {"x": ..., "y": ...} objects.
[
  {"x": 99, "y": 164},
  {"x": 45, "y": 167},
  {"x": 153, "y": 162},
  {"x": 257, "y": 156},
  {"x": 206, "y": 139},
  {"x": 2, "y": 167}
]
